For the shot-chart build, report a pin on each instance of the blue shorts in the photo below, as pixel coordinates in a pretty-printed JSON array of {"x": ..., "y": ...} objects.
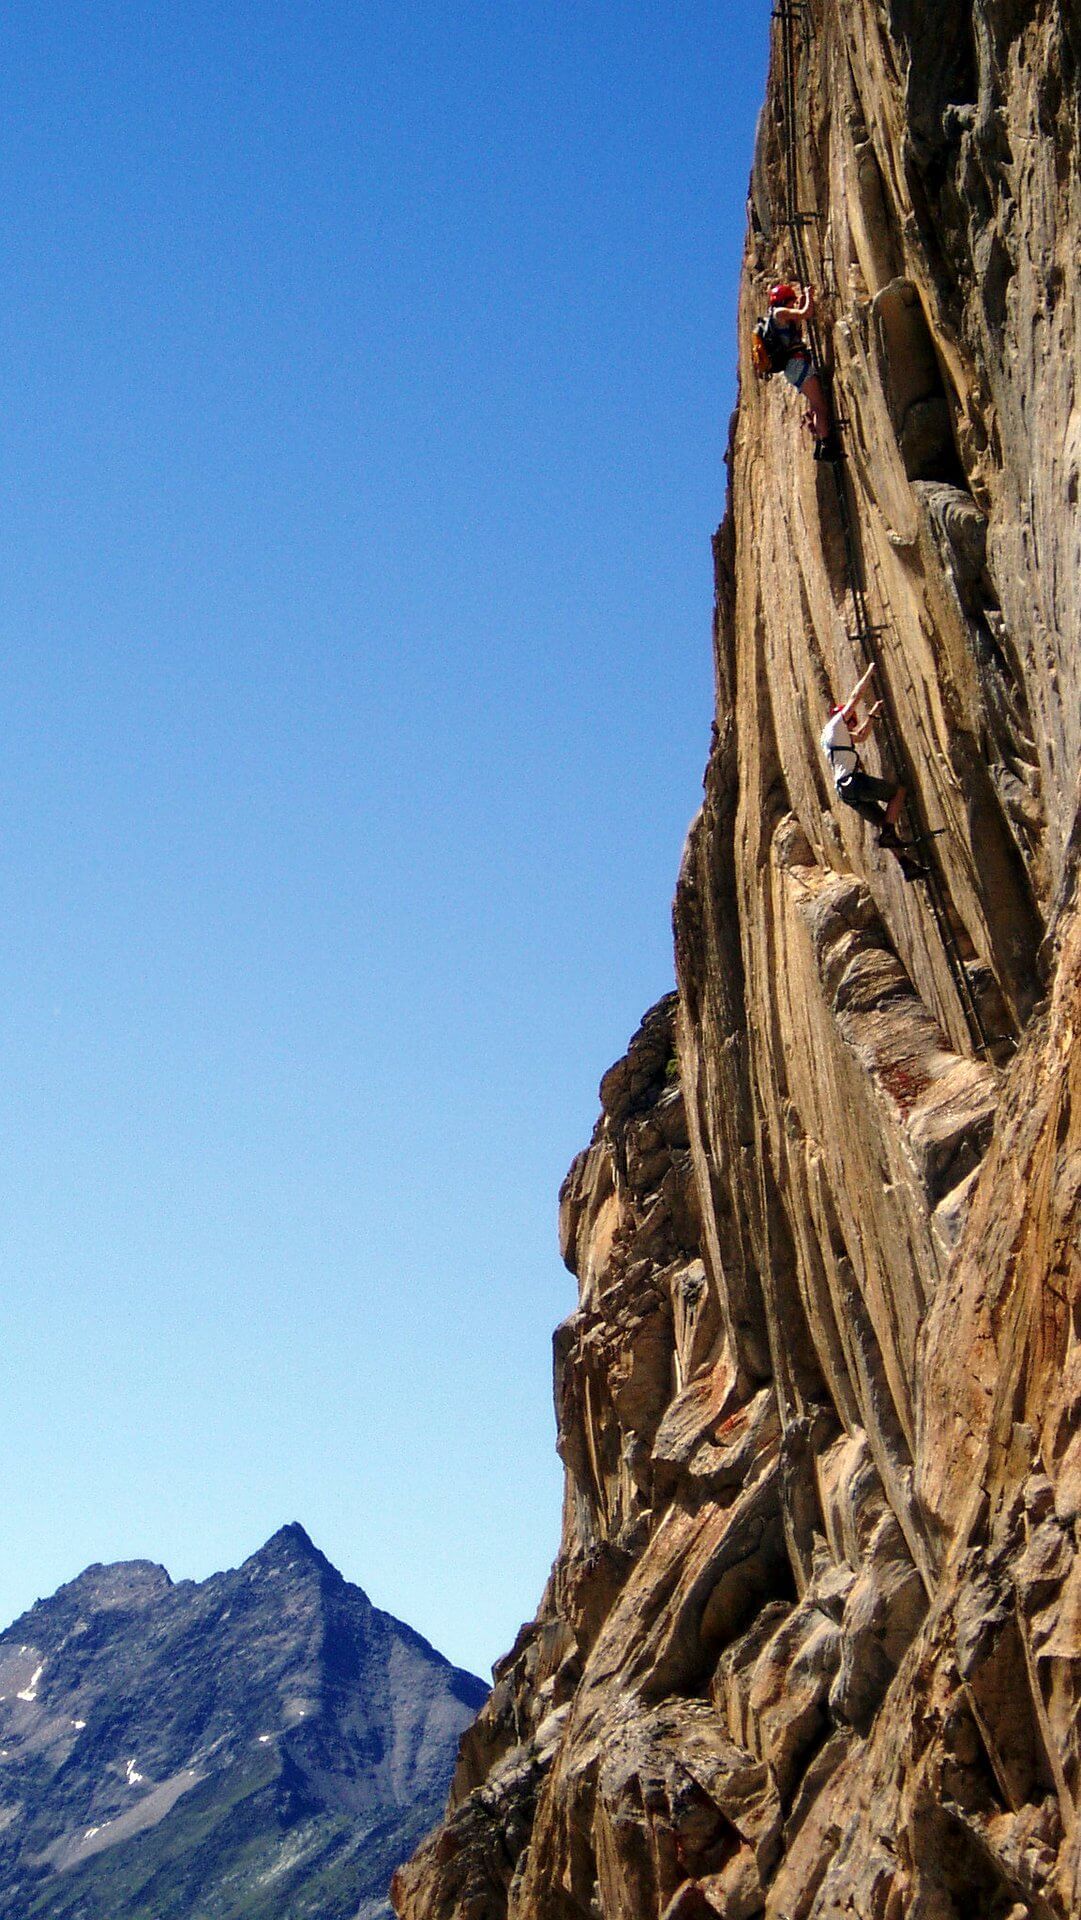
[{"x": 798, "y": 367}]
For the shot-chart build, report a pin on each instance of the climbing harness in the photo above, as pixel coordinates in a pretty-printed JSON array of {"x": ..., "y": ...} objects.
[{"x": 865, "y": 635}]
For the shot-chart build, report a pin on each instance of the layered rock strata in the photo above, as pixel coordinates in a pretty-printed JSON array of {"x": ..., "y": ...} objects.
[{"x": 810, "y": 1645}]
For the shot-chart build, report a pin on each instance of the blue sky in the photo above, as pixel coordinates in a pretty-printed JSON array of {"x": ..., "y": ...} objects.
[{"x": 364, "y": 378}]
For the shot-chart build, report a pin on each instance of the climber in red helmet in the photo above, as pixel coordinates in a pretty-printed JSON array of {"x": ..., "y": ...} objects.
[{"x": 789, "y": 307}]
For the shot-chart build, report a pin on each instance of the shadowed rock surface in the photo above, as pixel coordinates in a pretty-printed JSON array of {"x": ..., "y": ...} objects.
[
  {"x": 810, "y": 1647},
  {"x": 264, "y": 1744}
]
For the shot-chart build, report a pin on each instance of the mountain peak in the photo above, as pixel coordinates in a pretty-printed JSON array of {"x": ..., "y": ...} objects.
[
  {"x": 294, "y": 1538},
  {"x": 137, "y": 1716},
  {"x": 123, "y": 1585},
  {"x": 291, "y": 1548}
]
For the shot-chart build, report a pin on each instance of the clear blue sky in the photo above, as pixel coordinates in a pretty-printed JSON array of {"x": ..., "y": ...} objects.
[{"x": 364, "y": 378}]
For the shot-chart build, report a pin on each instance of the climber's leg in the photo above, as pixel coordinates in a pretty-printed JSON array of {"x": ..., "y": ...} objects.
[
  {"x": 818, "y": 411},
  {"x": 800, "y": 373}
]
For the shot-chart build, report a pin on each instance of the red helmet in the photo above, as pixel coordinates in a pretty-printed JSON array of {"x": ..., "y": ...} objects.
[{"x": 782, "y": 295}]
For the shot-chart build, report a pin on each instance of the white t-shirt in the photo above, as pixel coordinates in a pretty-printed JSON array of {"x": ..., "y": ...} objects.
[{"x": 838, "y": 749}]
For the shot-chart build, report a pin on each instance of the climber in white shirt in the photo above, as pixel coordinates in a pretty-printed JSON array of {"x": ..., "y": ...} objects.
[{"x": 877, "y": 801}]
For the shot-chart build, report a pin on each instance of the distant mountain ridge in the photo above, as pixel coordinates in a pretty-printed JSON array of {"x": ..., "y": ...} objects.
[{"x": 262, "y": 1745}]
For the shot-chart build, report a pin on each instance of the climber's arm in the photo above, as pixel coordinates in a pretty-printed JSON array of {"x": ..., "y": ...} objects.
[
  {"x": 866, "y": 725},
  {"x": 856, "y": 695}
]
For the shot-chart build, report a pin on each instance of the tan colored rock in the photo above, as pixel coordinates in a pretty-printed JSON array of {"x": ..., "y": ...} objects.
[{"x": 811, "y": 1646}]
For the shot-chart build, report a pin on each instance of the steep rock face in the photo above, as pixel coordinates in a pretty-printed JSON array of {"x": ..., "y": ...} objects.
[
  {"x": 810, "y": 1645},
  {"x": 263, "y": 1743}
]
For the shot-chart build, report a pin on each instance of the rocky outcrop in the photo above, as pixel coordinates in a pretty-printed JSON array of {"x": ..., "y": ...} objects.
[
  {"x": 810, "y": 1647},
  {"x": 263, "y": 1743}
]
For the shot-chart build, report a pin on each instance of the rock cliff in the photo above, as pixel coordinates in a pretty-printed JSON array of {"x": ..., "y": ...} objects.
[
  {"x": 810, "y": 1644},
  {"x": 264, "y": 1744}
]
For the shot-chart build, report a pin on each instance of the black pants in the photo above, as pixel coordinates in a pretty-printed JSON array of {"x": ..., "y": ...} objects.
[{"x": 868, "y": 795}]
